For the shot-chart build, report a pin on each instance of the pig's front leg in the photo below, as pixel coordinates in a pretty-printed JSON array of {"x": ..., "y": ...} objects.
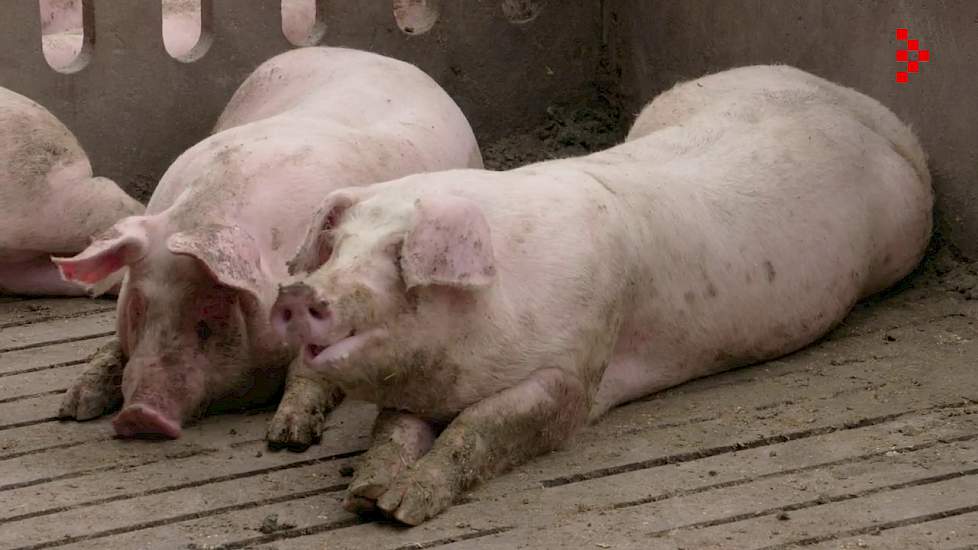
[
  {"x": 98, "y": 390},
  {"x": 532, "y": 418},
  {"x": 301, "y": 416},
  {"x": 399, "y": 439}
]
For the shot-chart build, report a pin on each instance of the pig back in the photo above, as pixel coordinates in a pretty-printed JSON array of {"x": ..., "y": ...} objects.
[
  {"x": 354, "y": 88},
  {"x": 35, "y": 143},
  {"x": 749, "y": 93},
  {"x": 384, "y": 99},
  {"x": 763, "y": 230},
  {"x": 754, "y": 94},
  {"x": 303, "y": 124},
  {"x": 38, "y": 155}
]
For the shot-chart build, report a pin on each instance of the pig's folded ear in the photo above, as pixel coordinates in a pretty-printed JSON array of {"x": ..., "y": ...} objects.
[
  {"x": 317, "y": 247},
  {"x": 229, "y": 253},
  {"x": 122, "y": 244},
  {"x": 449, "y": 244}
]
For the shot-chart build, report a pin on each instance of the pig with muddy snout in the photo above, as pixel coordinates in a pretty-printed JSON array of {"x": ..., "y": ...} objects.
[
  {"x": 202, "y": 266},
  {"x": 743, "y": 217}
]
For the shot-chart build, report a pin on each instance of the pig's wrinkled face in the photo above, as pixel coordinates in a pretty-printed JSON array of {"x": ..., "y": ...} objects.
[
  {"x": 355, "y": 297},
  {"x": 359, "y": 315},
  {"x": 186, "y": 339},
  {"x": 192, "y": 321}
]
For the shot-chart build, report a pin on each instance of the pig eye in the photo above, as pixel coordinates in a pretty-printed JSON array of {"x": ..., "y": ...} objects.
[
  {"x": 203, "y": 331},
  {"x": 133, "y": 315}
]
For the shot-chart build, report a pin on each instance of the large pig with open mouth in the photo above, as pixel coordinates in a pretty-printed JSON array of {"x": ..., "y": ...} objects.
[
  {"x": 744, "y": 216},
  {"x": 202, "y": 265},
  {"x": 50, "y": 203}
]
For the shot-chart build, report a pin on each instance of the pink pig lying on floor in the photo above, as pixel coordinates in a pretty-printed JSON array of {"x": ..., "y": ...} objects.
[
  {"x": 203, "y": 264},
  {"x": 49, "y": 201},
  {"x": 744, "y": 216}
]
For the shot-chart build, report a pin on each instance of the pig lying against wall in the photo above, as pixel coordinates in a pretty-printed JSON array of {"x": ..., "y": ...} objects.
[
  {"x": 204, "y": 262},
  {"x": 744, "y": 216},
  {"x": 49, "y": 201}
]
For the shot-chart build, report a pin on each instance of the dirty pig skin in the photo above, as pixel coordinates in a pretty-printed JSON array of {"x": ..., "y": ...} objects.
[
  {"x": 49, "y": 201},
  {"x": 202, "y": 266},
  {"x": 490, "y": 315}
]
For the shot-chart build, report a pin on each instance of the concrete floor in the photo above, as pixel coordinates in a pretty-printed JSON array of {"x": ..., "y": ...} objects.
[{"x": 865, "y": 440}]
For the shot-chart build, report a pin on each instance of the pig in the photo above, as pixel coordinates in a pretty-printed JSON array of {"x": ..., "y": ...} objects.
[
  {"x": 62, "y": 35},
  {"x": 491, "y": 315},
  {"x": 202, "y": 265},
  {"x": 50, "y": 203}
]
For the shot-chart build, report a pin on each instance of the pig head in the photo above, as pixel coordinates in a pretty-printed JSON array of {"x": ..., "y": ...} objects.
[
  {"x": 409, "y": 311},
  {"x": 191, "y": 319},
  {"x": 382, "y": 281}
]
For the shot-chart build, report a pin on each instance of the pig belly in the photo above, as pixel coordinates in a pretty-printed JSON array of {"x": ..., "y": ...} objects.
[
  {"x": 731, "y": 296},
  {"x": 33, "y": 276},
  {"x": 647, "y": 360}
]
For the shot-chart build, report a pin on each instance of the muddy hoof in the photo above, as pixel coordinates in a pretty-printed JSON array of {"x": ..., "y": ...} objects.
[
  {"x": 295, "y": 432},
  {"x": 85, "y": 401},
  {"x": 97, "y": 390}
]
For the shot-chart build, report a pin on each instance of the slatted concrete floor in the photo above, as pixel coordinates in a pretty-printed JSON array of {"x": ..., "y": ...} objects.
[{"x": 867, "y": 440}]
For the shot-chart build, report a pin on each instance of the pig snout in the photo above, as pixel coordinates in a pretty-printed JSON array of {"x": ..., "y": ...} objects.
[
  {"x": 300, "y": 316},
  {"x": 158, "y": 398},
  {"x": 143, "y": 420}
]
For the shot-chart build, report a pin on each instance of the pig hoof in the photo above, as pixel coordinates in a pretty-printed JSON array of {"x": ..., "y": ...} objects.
[
  {"x": 359, "y": 505},
  {"x": 85, "y": 401},
  {"x": 418, "y": 494},
  {"x": 362, "y": 495},
  {"x": 295, "y": 431},
  {"x": 97, "y": 390}
]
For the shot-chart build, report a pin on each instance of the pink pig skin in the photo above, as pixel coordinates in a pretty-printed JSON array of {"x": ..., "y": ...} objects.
[
  {"x": 202, "y": 266},
  {"x": 49, "y": 201},
  {"x": 744, "y": 216}
]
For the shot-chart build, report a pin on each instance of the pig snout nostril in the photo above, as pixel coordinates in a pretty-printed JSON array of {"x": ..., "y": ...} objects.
[
  {"x": 318, "y": 312},
  {"x": 282, "y": 318}
]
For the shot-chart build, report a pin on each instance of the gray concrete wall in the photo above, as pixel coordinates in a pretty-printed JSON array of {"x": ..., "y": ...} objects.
[
  {"x": 656, "y": 43},
  {"x": 134, "y": 108}
]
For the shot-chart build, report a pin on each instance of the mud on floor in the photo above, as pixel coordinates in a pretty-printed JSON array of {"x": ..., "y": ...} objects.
[{"x": 573, "y": 129}]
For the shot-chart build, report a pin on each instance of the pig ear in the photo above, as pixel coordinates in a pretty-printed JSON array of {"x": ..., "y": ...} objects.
[
  {"x": 122, "y": 244},
  {"x": 229, "y": 253},
  {"x": 449, "y": 244},
  {"x": 317, "y": 246}
]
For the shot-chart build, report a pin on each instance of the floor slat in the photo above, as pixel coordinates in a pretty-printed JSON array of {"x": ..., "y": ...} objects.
[{"x": 885, "y": 407}]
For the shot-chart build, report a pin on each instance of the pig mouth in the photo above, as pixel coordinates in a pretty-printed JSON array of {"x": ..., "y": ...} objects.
[{"x": 318, "y": 355}]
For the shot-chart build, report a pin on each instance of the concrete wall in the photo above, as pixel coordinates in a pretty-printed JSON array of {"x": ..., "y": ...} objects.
[
  {"x": 654, "y": 44},
  {"x": 134, "y": 108}
]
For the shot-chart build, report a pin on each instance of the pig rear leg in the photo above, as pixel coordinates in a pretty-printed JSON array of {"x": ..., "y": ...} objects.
[
  {"x": 512, "y": 426},
  {"x": 399, "y": 439},
  {"x": 99, "y": 388},
  {"x": 301, "y": 416}
]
